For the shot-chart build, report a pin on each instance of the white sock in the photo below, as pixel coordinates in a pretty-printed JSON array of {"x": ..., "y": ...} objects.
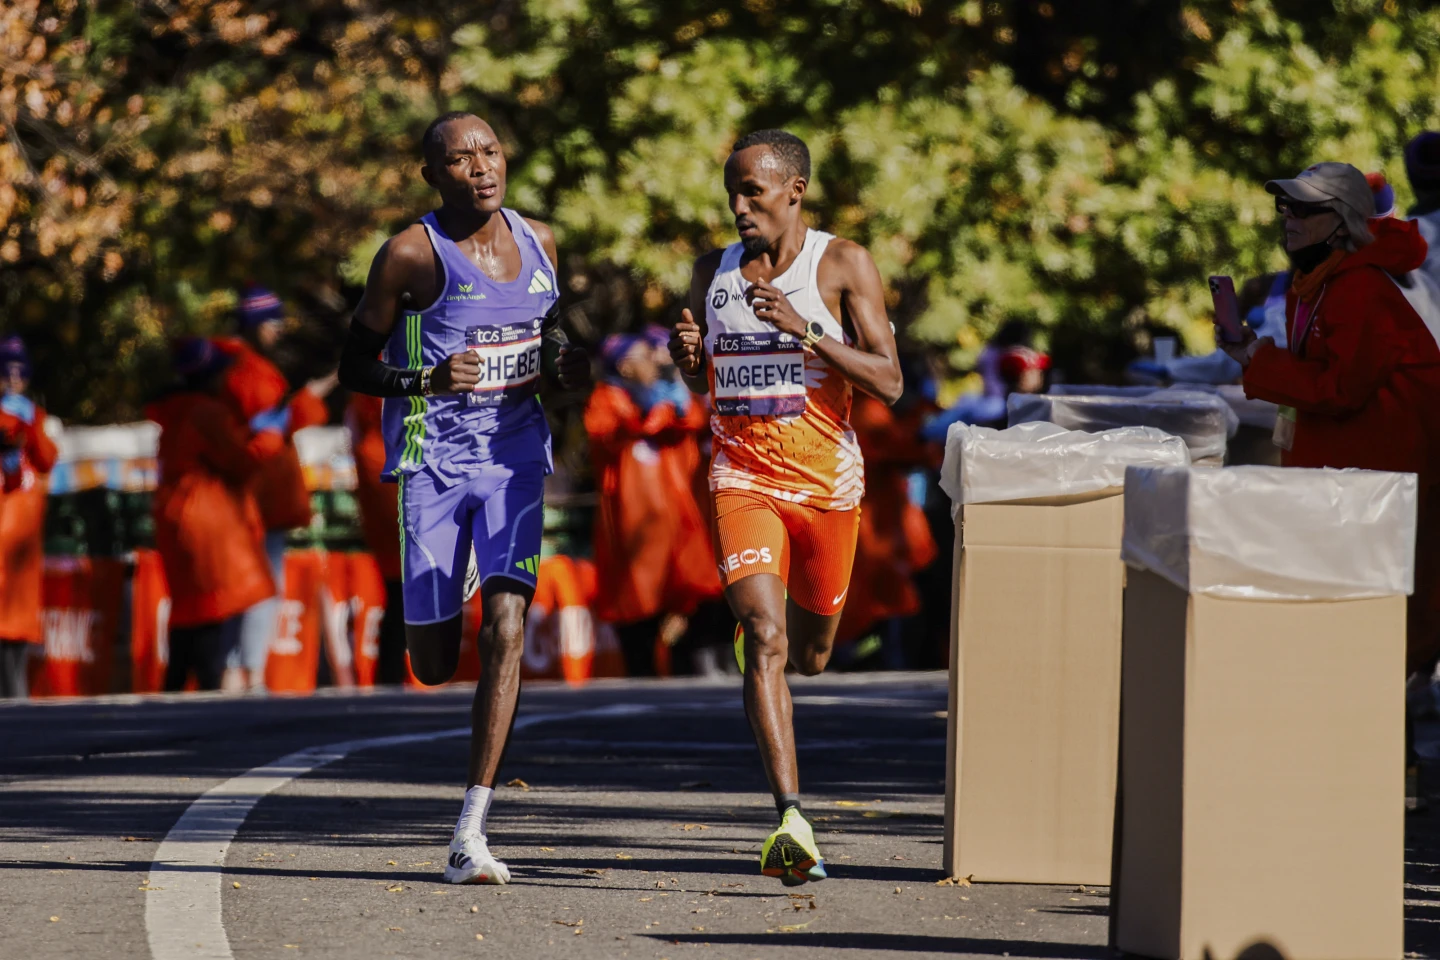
[{"x": 473, "y": 813}]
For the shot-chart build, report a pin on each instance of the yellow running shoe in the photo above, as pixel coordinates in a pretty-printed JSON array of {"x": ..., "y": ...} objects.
[
  {"x": 790, "y": 852},
  {"x": 740, "y": 646}
]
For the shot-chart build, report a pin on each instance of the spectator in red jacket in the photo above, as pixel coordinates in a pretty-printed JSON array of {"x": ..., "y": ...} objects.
[
  {"x": 652, "y": 550},
  {"x": 261, "y": 396},
  {"x": 26, "y": 458},
  {"x": 1359, "y": 383},
  {"x": 207, "y": 524}
]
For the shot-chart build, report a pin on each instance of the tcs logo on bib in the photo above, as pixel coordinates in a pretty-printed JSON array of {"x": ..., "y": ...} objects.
[{"x": 746, "y": 558}]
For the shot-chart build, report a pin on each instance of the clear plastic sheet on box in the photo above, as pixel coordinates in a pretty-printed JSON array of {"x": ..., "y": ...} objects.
[
  {"x": 1250, "y": 413},
  {"x": 984, "y": 465},
  {"x": 1273, "y": 533},
  {"x": 1204, "y": 421}
]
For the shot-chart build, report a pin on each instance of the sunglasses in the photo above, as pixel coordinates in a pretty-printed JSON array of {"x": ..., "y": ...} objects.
[{"x": 1299, "y": 209}]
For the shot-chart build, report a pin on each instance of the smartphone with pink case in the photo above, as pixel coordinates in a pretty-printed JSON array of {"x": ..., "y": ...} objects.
[{"x": 1227, "y": 309}]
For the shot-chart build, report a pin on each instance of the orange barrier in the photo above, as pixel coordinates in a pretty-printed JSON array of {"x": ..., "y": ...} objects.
[
  {"x": 334, "y": 600},
  {"x": 149, "y": 623},
  {"x": 295, "y": 649},
  {"x": 82, "y": 599}
]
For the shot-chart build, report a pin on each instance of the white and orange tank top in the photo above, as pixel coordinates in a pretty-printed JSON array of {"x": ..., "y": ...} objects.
[{"x": 782, "y": 416}]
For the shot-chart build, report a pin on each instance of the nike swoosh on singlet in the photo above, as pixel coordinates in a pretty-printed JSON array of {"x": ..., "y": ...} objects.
[{"x": 841, "y": 597}]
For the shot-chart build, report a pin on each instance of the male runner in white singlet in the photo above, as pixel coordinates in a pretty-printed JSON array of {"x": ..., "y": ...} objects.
[{"x": 792, "y": 318}]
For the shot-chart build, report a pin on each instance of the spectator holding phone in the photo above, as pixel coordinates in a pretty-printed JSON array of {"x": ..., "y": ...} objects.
[{"x": 1359, "y": 383}]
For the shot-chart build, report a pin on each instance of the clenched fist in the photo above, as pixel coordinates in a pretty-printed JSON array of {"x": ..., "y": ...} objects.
[
  {"x": 458, "y": 374},
  {"x": 687, "y": 347}
]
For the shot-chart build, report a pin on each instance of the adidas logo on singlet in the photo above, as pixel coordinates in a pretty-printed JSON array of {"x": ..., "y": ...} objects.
[{"x": 540, "y": 283}]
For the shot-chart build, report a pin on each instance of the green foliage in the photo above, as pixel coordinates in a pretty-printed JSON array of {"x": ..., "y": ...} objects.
[{"x": 1083, "y": 165}]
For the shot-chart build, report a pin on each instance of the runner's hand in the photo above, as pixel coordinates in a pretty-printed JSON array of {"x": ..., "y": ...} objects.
[
  {"x": 774, "y": 307},
  {"x": 687, "y": 348},
  {"x": 458, "y": 374},
  {"x": 572, "y": 367}
]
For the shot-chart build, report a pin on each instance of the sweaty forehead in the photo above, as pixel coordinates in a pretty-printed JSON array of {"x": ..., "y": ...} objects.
[
  {"x": 755, "y": 163},
  {"x": 466, "y": 135}
]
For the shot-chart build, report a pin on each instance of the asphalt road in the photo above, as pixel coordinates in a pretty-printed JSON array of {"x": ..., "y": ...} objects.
[{"x": 632, "y": 830}]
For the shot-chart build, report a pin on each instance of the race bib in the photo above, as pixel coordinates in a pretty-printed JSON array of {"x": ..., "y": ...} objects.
[
  {"x": 758, "y": 375},
  {"x": 509, "y": 362}
]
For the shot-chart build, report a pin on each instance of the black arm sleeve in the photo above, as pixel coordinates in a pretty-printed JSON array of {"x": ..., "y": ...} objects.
[
  {"x": 361, "y": 372},
  {"x": 552, "y": 338}
]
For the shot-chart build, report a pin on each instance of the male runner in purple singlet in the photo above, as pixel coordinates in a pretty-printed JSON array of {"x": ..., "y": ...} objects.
[{"x": 460, "y": 309}]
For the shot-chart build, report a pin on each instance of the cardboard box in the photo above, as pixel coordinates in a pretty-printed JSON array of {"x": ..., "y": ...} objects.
[
  {"x": 1262, "y": 722},
  {"x": 1263, "y": 776},
  {"x": 1034, "y": 690}
]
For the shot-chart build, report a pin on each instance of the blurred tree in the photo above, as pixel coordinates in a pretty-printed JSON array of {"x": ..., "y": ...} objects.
[{"x": 1081, "y": 164}]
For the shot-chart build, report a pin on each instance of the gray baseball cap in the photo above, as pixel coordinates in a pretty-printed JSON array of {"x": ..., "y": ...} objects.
[{"x": 1328, "y": 181}]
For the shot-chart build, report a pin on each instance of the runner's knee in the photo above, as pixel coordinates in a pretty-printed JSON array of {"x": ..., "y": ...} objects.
[
  {"x": 434, "y": 652},
  {"x": 764, "y": 640},
  {"x": 811, "y": 661},
  {"x": 503, "y": 633}
]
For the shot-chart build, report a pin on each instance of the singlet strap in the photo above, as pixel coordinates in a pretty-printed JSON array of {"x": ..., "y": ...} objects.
[
  {"x": 819, "y": 244},
  {"x": 520, "y": 227},
  {"x": 432, "y": 230}
]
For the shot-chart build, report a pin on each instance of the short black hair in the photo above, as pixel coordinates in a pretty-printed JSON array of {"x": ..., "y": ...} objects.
[
  {"x": 431, "y": 139},
  {"x": 794, "y": 155}
]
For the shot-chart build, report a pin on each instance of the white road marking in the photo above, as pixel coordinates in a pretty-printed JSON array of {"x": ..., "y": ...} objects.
[{"x": 182, "y": 908}]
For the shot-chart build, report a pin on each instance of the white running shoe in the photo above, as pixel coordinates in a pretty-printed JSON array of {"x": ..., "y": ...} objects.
[
  {"x": 472, "y": 577},
  {"x": 471, "y": 862}
]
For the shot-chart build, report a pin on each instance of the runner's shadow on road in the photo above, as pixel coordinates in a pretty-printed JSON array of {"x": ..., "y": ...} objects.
[{"x": 904, "y": 942}]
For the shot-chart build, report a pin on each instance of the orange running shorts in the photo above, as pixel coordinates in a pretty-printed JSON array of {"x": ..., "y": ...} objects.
[{"x": 811, "y": 550}]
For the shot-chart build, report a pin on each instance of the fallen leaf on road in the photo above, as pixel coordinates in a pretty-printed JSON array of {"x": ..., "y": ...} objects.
[
  {"x": 801, "y": 896},
  {"x": 569, "y": 923},
  {"x": 395, "y": 889},
  {"x": 812, "y": 905},
  {"x": 292, "y": 946},
  {"x": 598, "y": 873},
  {"x": 479, "y": 936},
  {"x": 955, "y": 881},
  {"x": 136, "y": 839},
  {"x": 236, "y": 884},
  {"x": 623, "y": 856},
  {"x": 548, "y": 849},
  {"x": 897, "y": 889},
  {"x": 884, "y": 814},
  {"x": 422, "y": 863},
  {"x": 54, "y": 919},
  {"x": 391, "y": 863},
  {"x": 698, "y": 929},
  {"x": 517, "y": 782},
  {"x": 659, "y": 884},
  {"x": 897, "y": 857},
  {"x": 792, "y": 927},
  {"x": 692, "y": 826},
  {"x": 646, "y": 899},
  {"x": 854, "y": 803},
  {"x": 396, "y": 929},
  {"x": 694, "y": 784},
  {"x": 147, "y": 889},
  {"x": 474, "y": 909}
]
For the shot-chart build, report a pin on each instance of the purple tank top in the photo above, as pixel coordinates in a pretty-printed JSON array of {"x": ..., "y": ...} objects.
[{"x": 501, "y": 423}]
